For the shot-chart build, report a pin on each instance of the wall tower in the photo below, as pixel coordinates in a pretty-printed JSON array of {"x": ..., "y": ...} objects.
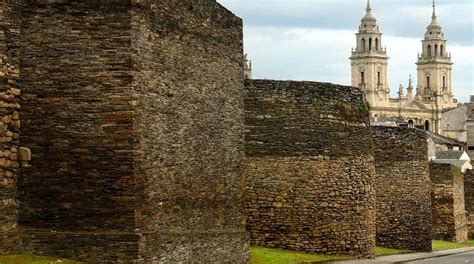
[
  {"x": 369, "y": 61},
  {"x": 435, "y": 67}
]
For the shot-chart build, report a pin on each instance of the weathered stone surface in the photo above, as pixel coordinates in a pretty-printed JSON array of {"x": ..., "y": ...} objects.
[
  {"x": 9, "y": 126},
  {"x": 188, "y": 124},
  {"x": 134, "y": 115},
  {"x": 309, "y": 172},
  {"x": 403, "y": 189},
  {"x": 76, "y": 79},
  {"x": 448, "y": 209},
  {"x": 469, "y": 200}
]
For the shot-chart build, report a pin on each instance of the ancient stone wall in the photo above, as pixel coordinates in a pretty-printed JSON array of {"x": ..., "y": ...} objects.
[
  {"x": 309, "y": 170},
  {"x": 133, "y": 114},
  {"x": 78, "y": 120},
  {"x": 9, "y": 126},
  {"x": 403, "y": 189},
  {"x": 448, "y": 210},
  {"x": 188, "y": 87},
  {"x": 469, "y": 200}
]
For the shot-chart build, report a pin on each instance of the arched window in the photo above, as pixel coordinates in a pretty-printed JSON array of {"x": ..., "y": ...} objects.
[
  {"x": 428, "y": 49},
  {"x": 427, "y": 81},
  {"x": 376, "y": 44},
  {"x": 436, "y": 50},
  {"x": 427, "y": 125},
  {"x": 363, "y": 44},
  {"x": 410, "y": 124},
  {"x": 370, "y": 44},
  {"x": 441, "y": 50}
]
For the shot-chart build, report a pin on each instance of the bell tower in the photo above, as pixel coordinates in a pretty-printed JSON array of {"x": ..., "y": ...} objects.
[
  {"x": 369, "y": 61},
  {"x": 434, "y": 67}
]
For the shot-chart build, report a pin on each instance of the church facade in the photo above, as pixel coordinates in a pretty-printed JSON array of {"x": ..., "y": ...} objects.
[{"x": 423, "y": 105}]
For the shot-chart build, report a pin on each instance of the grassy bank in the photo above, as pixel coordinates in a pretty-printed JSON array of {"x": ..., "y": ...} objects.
[
  {"x": 27, "y": 259},
  {"x": 260, "y": 255},
  {"x": 444, "y": 245}
]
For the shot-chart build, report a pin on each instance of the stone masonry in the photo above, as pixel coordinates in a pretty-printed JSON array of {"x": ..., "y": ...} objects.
[
  {"x": 9, "y": 127},
  {"x": 134, "y": 114},
  {"x": 309, "y": 170},
  {"x": 448, "y": 210},
  {"x": 403, "y": 189},
  {"x": 469, "y": 200}
]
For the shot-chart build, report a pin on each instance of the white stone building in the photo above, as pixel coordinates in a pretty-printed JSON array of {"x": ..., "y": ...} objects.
[{"x": 433, "y": 95}]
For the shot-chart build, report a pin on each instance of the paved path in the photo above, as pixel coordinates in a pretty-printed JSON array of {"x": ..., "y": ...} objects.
[
  {"x": 452, "y": 259},
  {"x": 455, "y": 256}
]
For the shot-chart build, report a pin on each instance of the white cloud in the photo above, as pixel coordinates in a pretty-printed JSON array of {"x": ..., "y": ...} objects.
[
  {"x": 312, "y": 39},
  {"x": 322, "y": 55}
]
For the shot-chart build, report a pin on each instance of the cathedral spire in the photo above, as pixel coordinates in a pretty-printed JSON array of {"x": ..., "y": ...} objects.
[
  {"x": 368, "y": 15},
  {"x": 434, "y": 17}
]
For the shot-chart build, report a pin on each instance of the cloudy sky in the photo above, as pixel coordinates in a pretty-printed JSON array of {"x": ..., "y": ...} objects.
[{"x": 312, "y": 39}]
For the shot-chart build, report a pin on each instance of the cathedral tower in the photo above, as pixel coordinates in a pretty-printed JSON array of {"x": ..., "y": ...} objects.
[
  {"x": 369, "y": 61},
  {"x": 434, "y": 67}
]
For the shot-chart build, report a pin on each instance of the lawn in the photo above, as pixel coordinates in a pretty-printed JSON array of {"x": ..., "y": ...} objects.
[
  {"x": 27, "y": 259},
  {"x": 381, "y": 251},
  {"x": 260, "y": 255},
  {"x": 443, "y": 245}
]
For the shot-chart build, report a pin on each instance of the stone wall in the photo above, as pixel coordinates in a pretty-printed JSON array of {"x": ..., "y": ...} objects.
[
  {"x": 78, "y": 120},
  {"x": 133, "y": 111},
  {"x": 469, "y": 200},
  {"x": 448, "y": 210},
  {"x": 403, "y": 189},
  {"x": 309, "y": 170},
  {"x": 189, "y": 131},
  {"x": 9, "y": 126}
]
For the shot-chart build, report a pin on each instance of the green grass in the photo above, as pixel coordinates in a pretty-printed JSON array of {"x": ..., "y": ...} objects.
[
  {"x": 381, "y": 251},
  {"x": 444, "y": 245},
  {"x": 260, "y": 255},
  {"x": 27, "y": 259}
]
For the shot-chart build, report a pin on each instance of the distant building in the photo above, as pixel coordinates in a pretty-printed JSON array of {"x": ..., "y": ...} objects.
[
  {"x": 453, "y": 123},
  {"x": 433, "y": 97},
  {"x": 247, "y": 67},
  {"x": 459, "y": 159},
  {"x": 470, "y": 127}
]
